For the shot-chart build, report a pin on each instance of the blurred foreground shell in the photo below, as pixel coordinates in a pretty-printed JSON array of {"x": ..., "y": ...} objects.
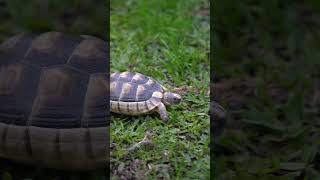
[{"x": 53, "y": 100}]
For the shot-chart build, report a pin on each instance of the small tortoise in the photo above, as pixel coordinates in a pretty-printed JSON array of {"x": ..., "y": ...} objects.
[
  {"x": 135, "y": 94},
  {"x": 54, "y": 92}
]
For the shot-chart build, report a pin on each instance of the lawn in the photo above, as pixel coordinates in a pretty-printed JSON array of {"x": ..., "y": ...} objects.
[
  {"x": 169, "y": 41},
  {"x": 266, "y": 57}
]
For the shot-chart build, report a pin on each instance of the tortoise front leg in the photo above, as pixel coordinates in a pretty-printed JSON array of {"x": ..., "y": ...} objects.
[{"x": 163, "y": 112}]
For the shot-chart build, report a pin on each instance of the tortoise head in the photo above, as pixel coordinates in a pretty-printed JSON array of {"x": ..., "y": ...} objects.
[{"x": 170, "y": 98}]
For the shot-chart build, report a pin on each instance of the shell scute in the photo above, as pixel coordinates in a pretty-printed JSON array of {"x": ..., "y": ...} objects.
[
  {"x": 90, "y": 56},
  {"x": 50, "y": 48},
  {"x": 126, "y": 77},
  {"x": 127, "y": 88},
  {"x": 18, "y": 87},
  {"x": 95, "y": 114},
  {"x": 60, "y": 99},
  {"x": 15, "y": 48},
  {"x": 114, "y": 77},
  {"x": 139, "y": 78}
]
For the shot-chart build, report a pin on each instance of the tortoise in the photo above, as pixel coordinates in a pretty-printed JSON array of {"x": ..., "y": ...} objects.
[
  {"x": 54, "y": 90},
  {"x": 133, "y": 93}
]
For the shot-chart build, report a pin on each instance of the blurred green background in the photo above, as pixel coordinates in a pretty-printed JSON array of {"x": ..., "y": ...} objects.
[
  {"x": 72, "y": 16},
  {"x": 266, "y": 58}
]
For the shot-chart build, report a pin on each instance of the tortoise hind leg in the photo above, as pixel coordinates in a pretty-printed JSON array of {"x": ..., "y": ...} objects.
[{"x": 163, "y": 112}]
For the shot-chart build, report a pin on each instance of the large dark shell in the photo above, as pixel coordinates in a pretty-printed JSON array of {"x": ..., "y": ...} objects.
[
  {"x": 132, "y": 81},
  {"x": 53, "y": 80}
]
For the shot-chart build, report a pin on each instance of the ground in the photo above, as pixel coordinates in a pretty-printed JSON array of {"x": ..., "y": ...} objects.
[{"x": 169, "y": 41}]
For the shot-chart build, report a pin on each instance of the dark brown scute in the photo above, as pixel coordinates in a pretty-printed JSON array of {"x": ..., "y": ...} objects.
[
  {"x": 88, "y": 144},
  {"x": 95, "y": 110},
  {"x": 51, "y": 48},
  {"x": 45, "y": 81},
  {"x": 3, "y": 138},
  {"x": 81, "y": 148},
  {"x": 13, "y": 146},
  {"x": 90, "y": 56},
  {"x": 15, "y": 48},
  {"x": 18, "y": 87},
  {"x": 57, "y": 148},
  {"x": 60, "y": 98}
]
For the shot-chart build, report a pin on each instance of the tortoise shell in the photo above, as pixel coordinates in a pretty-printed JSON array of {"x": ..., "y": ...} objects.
[
  {"x": 132, "y": 87},
  {"x": 53, "y": 93},
  {"x": 134, "y": 93}
]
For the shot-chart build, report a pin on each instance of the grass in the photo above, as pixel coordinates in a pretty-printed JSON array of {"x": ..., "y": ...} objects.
[
  {"x": 267, "y": 64},
  {"x": 169, "y": 41}
]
